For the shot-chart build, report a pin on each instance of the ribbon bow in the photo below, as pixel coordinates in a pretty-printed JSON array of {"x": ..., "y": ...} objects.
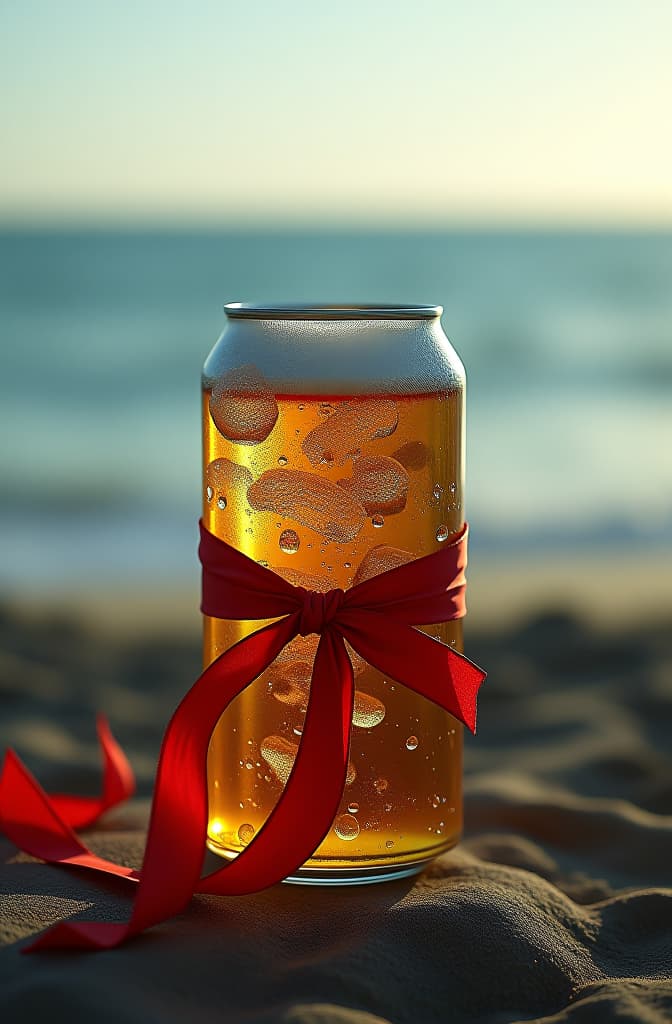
[{"x": 426, "y": 591}]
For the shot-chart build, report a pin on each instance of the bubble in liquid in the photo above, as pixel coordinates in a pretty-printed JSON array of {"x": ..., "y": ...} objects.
[
  {"x": 319, "y": 504},
  {"x": 353, "y": 808},
  {"x": 289, "y": 542},
  {"x": 245, "y": 833},
  {"x": 436, "y": 800},
  {"x": 442, "y": 533},
  {"x": 413, "y": 455},
  {"x": 351, "y": 774},
  {"x": 378, "y": 521},
  {"x": 387, "y": 808},
  {"x": 412, "y": 743},
  {"x": 297, "y": 730},
  {"x": 243, "y": 406},
  {"x": 346, "y": 827},
  {"x": 228, "y": 480},
  {"x": 379, "y": 483},
  {"x": 350, "y": 426},
  {"x": 283, "y": 460},
  {"x": 367, "y": 711},
  {"x": 380, "y": 785},
  {"x": 380, "y": 559},
  {"x": 437, "y": 492},
  {"x": 389, "y": 844}
]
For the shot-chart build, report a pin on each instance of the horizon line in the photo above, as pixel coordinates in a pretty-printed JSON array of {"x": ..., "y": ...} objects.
[{"x": 344, "y": 225}]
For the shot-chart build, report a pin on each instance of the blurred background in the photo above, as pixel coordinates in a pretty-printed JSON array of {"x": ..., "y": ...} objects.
[{"x": 511, "y": 161}]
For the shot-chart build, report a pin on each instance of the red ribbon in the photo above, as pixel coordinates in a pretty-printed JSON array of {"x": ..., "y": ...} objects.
[{"x": 376, "y": 618}]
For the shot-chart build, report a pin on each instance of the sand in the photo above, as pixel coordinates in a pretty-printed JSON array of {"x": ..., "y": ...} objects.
[{"x": 557, "y": 906}]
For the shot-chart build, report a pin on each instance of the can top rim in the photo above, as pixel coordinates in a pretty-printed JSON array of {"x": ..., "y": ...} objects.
[{"x": 330, "y": 311}]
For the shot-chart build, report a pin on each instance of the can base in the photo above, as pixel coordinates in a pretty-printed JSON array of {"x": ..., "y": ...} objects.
[
  {"x": 342, "y": 875},
  {"x": 357, "y": 876}
]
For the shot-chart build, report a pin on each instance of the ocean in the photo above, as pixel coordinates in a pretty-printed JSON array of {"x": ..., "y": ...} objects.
[{"x": 566, "y": 336}]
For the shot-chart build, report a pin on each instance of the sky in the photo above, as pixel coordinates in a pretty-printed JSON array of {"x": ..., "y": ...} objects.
[{"x": 425, "y": 111}]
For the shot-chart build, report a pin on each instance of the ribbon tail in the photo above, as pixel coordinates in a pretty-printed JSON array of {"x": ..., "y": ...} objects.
[
  {"x": 428, "y": 666},
  {"x": 118, "y": 784},
  {"x": 178, "y": 821},
  {"x": 42, "y": 823},
  {"x": 309, "y": 802},
  {"x": 30, "y": 820}
]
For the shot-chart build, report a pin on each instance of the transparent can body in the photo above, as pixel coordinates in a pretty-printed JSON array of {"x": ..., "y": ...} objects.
[{"x": 333, "y": 450}]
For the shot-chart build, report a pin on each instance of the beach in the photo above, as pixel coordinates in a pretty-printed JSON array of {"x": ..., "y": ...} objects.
[{"x": 556, "y": 906}]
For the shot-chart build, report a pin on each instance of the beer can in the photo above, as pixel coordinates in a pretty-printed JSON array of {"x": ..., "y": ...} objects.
[{"x": 333, "y": 450}]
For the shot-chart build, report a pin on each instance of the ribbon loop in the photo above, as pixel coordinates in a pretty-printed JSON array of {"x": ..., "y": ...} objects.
[{"x": 318, "y": 610}]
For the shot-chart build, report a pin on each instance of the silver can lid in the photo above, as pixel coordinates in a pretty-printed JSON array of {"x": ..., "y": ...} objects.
[{"x": 329, "y": 311}]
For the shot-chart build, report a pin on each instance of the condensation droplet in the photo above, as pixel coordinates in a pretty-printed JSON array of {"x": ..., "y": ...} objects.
[
  {"x": 389, "y": 844},
  {"x": 279, "y": 755},
  {"x": 380, "y": 785},
  {"x": 442, "y": 532},
  {"x": 282, "y": 460},
  {"x": 243, "y": 407},
  {"x": 378, "y": 521},
  {"x": 245, "y": 833},
  {"x": 209, "y": 493},
  {"x": 353, "y": 808},
  {"x": 412, "y": 743},
  {"x": 379, "y": 483},
  {"x": 346, "y": 827},
  {"x": 221, "y": 502},
  {"x": 289, "y": 542},
  {"x": 310, "y": 500},
  {"x": 367, "y": 712},
  {"x": 350, "y": 425}
]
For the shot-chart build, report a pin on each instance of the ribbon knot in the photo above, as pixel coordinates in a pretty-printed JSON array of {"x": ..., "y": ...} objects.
[{"x": 318, "y": 610}]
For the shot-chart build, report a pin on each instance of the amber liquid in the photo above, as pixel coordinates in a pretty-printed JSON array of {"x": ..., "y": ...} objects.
[{"x": 402, "y": 804}]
